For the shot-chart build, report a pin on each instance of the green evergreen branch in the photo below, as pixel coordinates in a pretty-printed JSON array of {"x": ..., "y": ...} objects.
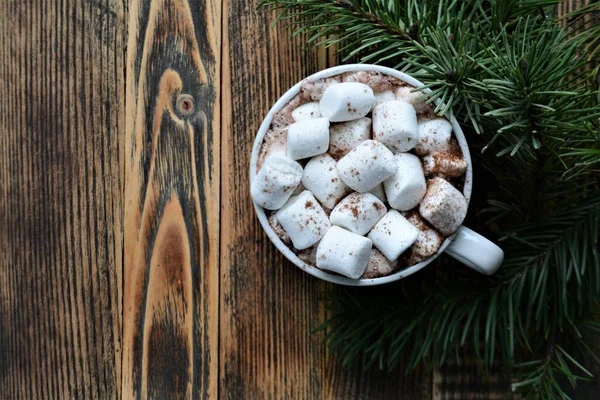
[
  {"x": 508, "y": 71},
  {"x": 515, "y": 298},
  {"x": 538, "y": 378},
  {"x": 505, "y": 67}
]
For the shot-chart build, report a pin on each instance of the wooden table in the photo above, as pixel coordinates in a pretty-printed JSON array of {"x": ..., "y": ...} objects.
[{"x": 131, "y": 262}]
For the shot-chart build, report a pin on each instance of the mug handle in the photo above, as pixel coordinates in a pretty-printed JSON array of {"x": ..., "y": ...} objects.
[{"x": 475, "y": 251}]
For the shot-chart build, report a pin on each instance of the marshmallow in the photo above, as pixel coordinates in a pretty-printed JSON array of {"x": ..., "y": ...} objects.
[
  {"x": 384, "y": 97},
  {"x": 303, "y": 220},
  {"x": 378, "y": 265},
  {"x": 306, "y": 111},
  {"x": 365, "y": 167},
  {"x": 358, "y": 212},
  {"x": 434, "y": 136},
  {"x": 395, "y": 125},
  {"x": 448, "y": 163},
  {"x": 416, "y": 99},
  {"x": 444, "y": 206},
  {"x": 275, "y": 182},
  {"x": 378, "y": 192},
  {"x": 307, "y": 138},
  {"x": 344, "y": 252},
  {"x": 393, "y": 234},
  {"x": 346, "y": 101},
  {"x": 439, "y": 163},
  {"x": 428, "y": 241},
  {"x": 345, "y": 136},
  {"x": 278, "y": 229},
  {"x": 322, "y": 179},
  {"x": 405, "y": 189}
]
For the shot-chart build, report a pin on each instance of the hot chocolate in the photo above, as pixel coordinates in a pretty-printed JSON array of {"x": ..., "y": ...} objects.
[{"x": 361, "y": 176}]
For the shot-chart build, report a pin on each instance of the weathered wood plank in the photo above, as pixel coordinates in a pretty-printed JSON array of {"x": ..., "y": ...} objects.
[
  {"x": 61, "y": 80},
  {"x": 171, "y": 234},
  {"x": 268, "y": 306},
  {"x": 68, "y": 142},
  {"x": 467, "y": 381},
  {"x": 354, "y": 383}
]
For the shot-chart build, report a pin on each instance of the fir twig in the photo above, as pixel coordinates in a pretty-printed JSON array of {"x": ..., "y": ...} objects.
[{"x": 508, "y": 71}]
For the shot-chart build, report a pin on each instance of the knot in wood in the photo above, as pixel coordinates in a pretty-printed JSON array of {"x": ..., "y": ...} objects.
[{"x": 185, "y": 105}]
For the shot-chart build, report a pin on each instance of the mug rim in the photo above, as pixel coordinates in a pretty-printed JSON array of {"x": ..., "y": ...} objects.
[{"x": 260, "y": 212}]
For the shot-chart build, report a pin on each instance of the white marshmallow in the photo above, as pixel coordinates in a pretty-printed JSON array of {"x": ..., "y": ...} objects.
[
  {"x": 378, "y": 192},
  {"x": 322, "y": 179},
  {"x": 446, "y": 163},
  {"x": 346, "y": 101},
  {"x": 384, "y": 97},
  {"x": 365, "y": 167},
  {"x": 378, "y": 265},
  {"x": 344, "y": 252},
  {"x": 307, "y": 138},
  {"x": 406, "y": 188},
  {"x": 444, "y": 206},
  {"x": 307, "y": 111},
  {"x": 275, "y": 182},
  {"x": 428, "y": 241},
  {"x": 393, "y": 234},
  {"x": 434, "y": 136},
  {"x": 358, "y": 212},
  {"x": 395, "y": 125},
  {"x": 345, "y": 136},
  {"x": 416, "y": 99},
  {"x": 303, "y": 220}
]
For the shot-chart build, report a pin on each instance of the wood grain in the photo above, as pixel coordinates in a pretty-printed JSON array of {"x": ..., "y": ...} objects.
[
  {"x": 61, "y": 119},
  {"x": 170, "y": 314},
  {"x": 467, "y": 381},
  {"x": 131, "y": 262},
  {"x": 268, "y": 306}
]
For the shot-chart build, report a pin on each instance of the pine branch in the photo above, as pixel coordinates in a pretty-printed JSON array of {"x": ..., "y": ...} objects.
[
  {"x": 507, "y": 71},
  {"x": 503, "y": 69},
  {"x": 538, "y": 378},
  {"x": 528, "y": 88},
  {"x": 502, "y": 311}
]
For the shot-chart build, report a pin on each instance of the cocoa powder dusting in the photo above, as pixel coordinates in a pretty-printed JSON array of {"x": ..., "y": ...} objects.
[
  {"x": 428, "y": 113},
  {"x": 279, "y": 231},
  {"x": 376, "y": 80},
  {"x": 275, "y": 141}
]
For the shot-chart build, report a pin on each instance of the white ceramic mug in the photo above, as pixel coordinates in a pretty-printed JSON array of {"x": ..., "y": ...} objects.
[{"x": 465, "y": 245}]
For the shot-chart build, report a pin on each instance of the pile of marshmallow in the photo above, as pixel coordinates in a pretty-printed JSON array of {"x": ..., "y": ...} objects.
[{"x": 334, "y": 208}]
